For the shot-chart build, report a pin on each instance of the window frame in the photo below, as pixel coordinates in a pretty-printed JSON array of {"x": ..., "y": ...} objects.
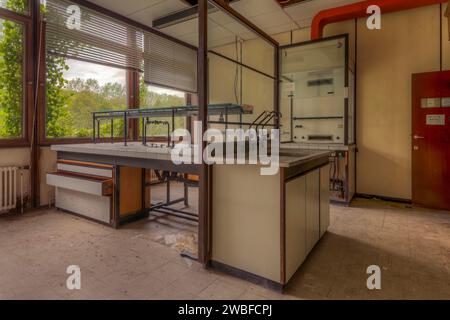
[
  {"x": 46, "y": 141},
  {"x": 27, "y": 79}
]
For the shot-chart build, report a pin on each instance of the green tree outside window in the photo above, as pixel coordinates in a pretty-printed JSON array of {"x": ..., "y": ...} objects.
[{"x": 11, "y": 72}]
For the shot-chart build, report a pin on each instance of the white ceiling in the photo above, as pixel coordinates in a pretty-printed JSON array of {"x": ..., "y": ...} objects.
[{"x": 266, "y": 14}]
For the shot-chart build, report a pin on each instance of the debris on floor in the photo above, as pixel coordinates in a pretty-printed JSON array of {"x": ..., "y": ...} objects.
[{"x": 185, "y": 244}]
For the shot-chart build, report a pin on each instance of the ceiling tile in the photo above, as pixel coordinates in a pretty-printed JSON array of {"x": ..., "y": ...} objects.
[
  {"x": 307, "y": 10},
  {"x": 179, "y": 29},
  {"x": 126, "y": 7},
  {"x": 163, "y": 8},
  {"x": 272, "y": 19},
  {"x": 251, "y": 8}
]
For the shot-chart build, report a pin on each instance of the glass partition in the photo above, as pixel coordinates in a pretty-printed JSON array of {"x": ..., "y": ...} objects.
[{"x": 241, "y": 67}]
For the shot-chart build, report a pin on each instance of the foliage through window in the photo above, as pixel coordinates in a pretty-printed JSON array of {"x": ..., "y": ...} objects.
[
  {"x": 19, "y": 6},
  {"x": 75, "y": 89},
  {"x": 11, "y": 78},
  {"x": 154, "y": 97}
]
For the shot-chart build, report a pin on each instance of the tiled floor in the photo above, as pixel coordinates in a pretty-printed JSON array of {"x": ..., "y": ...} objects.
[{"x": 412, "y": 247}]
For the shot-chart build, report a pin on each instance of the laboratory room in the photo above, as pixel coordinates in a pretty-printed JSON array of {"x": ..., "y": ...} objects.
[{"x": 224, "y": 150}]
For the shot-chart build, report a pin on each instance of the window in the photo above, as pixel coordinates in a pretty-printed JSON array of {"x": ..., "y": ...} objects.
[
  {"x": 78, "y": 84},
  {"x": 11, "y": 79},
  {"x": 19, "y": 6},
  {"x": 156, "y": 97},
  {"x": 75, "y": 89}
]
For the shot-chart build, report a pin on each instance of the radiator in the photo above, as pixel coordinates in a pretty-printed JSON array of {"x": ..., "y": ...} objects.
[{"x": 8, "y": 188}]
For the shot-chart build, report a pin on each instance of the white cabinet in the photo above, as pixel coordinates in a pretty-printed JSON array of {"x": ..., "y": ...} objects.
[
  {"x": 324, "y": 200},
  {"x": 84, "y": 188},
  {"x": 307, "y": 207},
  {"x": 312, "y": 209},
  {"x": 295, "y": 225}
]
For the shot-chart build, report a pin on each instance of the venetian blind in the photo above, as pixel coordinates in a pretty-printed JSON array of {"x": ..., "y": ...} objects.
[
  {"x": 169, "y": 64},
  {"x": 102, "y": 39},
  {"x": 81, "y": 33}
]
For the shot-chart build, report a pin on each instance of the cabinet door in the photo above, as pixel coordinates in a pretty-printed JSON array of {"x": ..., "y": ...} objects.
[
  {"x": 295, "y": 225},
  {"x": 312, "y": 210},
  {"x": 324, "y": 200}
]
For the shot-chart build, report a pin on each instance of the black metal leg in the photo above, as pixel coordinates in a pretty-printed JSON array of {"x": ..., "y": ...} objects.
[
  {"x": 168, "y": 190},
  {"x": 144, "y": 190},
  {"x": 144, "y": 132},
  {"x": 98, "y": 129},
  {"x": 226, "y": 118},
  {"x": 186, "y": 195},
  {"x": 125, "y": 129},
  {"x": 93, "y": 129},
  {"x": 173, "y": 128},
  {"x": 116, "y": 210},
  {"x": 112, "y": 130}
]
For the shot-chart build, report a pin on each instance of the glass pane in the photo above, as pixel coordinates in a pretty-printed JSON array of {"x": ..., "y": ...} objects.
[
  {"x": 241, "y": 67},
  {"x": 156, "y": 97},
  {"x": 75, "y": 89},
  {"x": 231, "y": 38},
  {"x": 19, "y": 6},
  {"x": 11, "y": 79}
]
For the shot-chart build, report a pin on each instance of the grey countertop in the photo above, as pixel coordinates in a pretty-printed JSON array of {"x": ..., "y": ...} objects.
[
  {"x": 292, "y": 158},
  {"x": 315, "y": 146},
  {"x": 289, "y": 157}
]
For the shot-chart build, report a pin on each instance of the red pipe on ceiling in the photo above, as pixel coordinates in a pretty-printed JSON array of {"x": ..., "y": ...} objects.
[{"x": 359, "y": 10}]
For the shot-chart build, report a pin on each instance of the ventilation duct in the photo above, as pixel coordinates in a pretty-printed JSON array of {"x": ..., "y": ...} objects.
[{"x": 183, "y": 15}]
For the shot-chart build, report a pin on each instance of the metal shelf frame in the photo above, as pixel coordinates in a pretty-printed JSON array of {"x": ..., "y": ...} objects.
[{"x": 222, "y": 110}]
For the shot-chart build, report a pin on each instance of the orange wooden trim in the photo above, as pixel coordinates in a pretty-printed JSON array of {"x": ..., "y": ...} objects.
[{"x": 86, "y": 164}]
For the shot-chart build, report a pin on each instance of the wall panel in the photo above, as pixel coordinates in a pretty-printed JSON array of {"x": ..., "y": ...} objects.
[{"x": 407, "y": 43}]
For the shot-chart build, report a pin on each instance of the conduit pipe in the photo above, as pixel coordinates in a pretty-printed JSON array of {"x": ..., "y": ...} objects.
[{"x": 359, "y": 10}]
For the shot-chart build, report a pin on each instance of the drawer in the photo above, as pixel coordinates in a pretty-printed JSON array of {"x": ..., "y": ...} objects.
[
  {"x": 85, "y": 168},
  {"x": 89, "y": 185},
  {"x": 86, "y": 205}
]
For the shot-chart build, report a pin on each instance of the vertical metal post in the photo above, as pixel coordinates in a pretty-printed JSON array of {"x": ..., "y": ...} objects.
[
  {"x": 116, "y": 209},
  {"x": 144, "y": 132},
  {"x": 173, "y": 129},
  {"x": 168, "y": 189},
  {"x": 202, "y": 78},
  {"x": 226, "y": 117},
  {"x": 276, "y": 97},
  {"x": 112, "y": 130},
  {"x": 186, "y": 191},
  {"x": 94, "y": 135},
  {"x": 241, "y": 120},
  {"x": 125, "y": 127}
]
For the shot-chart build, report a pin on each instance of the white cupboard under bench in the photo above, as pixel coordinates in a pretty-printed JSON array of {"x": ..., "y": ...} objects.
[{"x": 264, "y": 227}]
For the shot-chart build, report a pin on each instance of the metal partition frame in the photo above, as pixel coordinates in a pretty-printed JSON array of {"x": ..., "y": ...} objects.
[
  {"x": 345, "y": 37},
  {"x": 205, "y": 193}
]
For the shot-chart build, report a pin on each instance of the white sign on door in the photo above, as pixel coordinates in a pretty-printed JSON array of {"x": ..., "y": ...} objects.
[{"x": 436, "y": 120}]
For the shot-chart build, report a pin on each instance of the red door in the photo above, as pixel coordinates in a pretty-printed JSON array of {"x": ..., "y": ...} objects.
[{"x": 431, "y": 139}]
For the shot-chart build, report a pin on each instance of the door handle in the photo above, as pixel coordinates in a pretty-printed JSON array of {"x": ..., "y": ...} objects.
[{"x": 417, "y": 137}]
